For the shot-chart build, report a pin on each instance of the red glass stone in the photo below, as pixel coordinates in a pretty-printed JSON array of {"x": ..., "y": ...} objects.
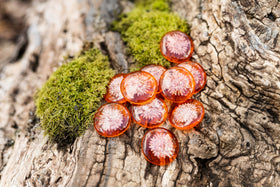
[
  {"x": 150, "y": 115},
  {"x": 187, "y": 115},
  {"x": 114, "y": 91},
  {"x": 177, "y": 84},
  {"x": 112, "y": 119},
  {"x": 139, "y": 87},
  {"x": 198, "y": 73},
  {"x": 155, "y": 70},
  {"x": 176, "y": 46},
  {"x": 160, "y": 146}
]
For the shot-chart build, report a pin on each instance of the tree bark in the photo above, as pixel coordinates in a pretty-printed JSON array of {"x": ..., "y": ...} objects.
[{"x": 237, "y": 143}]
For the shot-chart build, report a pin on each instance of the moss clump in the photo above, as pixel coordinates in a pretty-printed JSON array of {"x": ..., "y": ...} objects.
[
  {"x": 143, "y": 28},
  {"x": 68, "y": 100}
]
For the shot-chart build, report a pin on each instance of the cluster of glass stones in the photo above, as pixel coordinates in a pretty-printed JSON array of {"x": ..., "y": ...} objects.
[{"x": 148, "y": 93}]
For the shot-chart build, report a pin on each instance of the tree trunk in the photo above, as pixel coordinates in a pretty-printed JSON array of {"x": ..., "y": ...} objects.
[{"x": 237, "y": 143}]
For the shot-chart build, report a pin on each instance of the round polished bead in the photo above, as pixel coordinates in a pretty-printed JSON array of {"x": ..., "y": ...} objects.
[
  {"x": 177, "y": 84},
  {"x": 150, "y": 115},
  {"x": 187, "y": 115},
  {"x": 176, "y": 46},
  {"x": 112, "y": 119},
  {"x": 139, "y": 87},
  {"x": 198, "y": 73},
  {"x": 155, "y": 70},
  {"x": 160, "y": 146},
  {"x": 114, "y": 91}
]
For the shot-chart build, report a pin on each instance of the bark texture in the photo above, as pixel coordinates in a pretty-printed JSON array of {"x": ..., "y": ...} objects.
[{"x": 238, "y": 142}]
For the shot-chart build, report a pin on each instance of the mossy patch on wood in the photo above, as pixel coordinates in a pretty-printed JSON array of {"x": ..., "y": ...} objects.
[
  {"x": 68, "y": 100},
  {"x": 143, "y": 28}
]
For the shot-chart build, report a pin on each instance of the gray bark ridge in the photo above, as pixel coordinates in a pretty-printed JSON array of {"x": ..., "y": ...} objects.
[{"x": 237, "y": 143}]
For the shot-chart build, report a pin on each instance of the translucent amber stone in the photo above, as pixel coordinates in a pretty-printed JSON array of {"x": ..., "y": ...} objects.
[
  {"x": 160, "y": 146},
  {"x": 114, "y": 91},
  {"x": 112, "y": 119},
  {"x": 198, "y": 73},
  {"x": 177, "y": 84},
  {"x": 176, "y": 46},
  {"x": 187, "y": 115},
  {"x": 155, "y": 70},
  {"x": 139, "y": 87},
  {"x": 150, "y": 115}
]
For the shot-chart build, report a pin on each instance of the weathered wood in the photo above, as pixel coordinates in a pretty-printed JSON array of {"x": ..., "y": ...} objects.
[{"x": 237, "y": 144}]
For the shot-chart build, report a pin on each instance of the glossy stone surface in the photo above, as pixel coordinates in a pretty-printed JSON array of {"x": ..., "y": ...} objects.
[
  {"x": 187, "y": 115},
  {"x": 139, "y": 87},
  {"x": 150, "y": 115},
  {"x": 176, "y": 46},
  {"x": 112, "y": 119},
  {"x": 114, "y": 91},
  {"x": 177, "y": 84},
  {"x": 160, "y": 146},
  {"x": 198, "y": 73},
  {"x": 155, "y": 70}
]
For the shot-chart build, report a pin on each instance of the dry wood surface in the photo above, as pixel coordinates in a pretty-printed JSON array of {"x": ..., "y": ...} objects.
[{"x": 238, "y": 142}]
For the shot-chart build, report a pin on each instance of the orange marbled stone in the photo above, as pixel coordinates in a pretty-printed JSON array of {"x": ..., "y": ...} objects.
[
  {"x": 187, "y": 115},
  {"x": 114, "y": 91},
  {"x": 177, "y": 84},
  {"x": 112, "y": 119},
  {"x": 139, "y": 87},
  {"x": 150, "y": 115},
  {"x": 198, "y": 73},
  {"x": 155, "y": 70},
  {"x": 160, "y": 146},
  {"x": 176, "y": 46}
]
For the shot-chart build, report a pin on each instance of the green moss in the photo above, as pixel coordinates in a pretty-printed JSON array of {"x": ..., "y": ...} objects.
[
  {"x": 161, "y": 5},
  {"x": 143, "y": 28},
  {"x": 68, "y": 100}
]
